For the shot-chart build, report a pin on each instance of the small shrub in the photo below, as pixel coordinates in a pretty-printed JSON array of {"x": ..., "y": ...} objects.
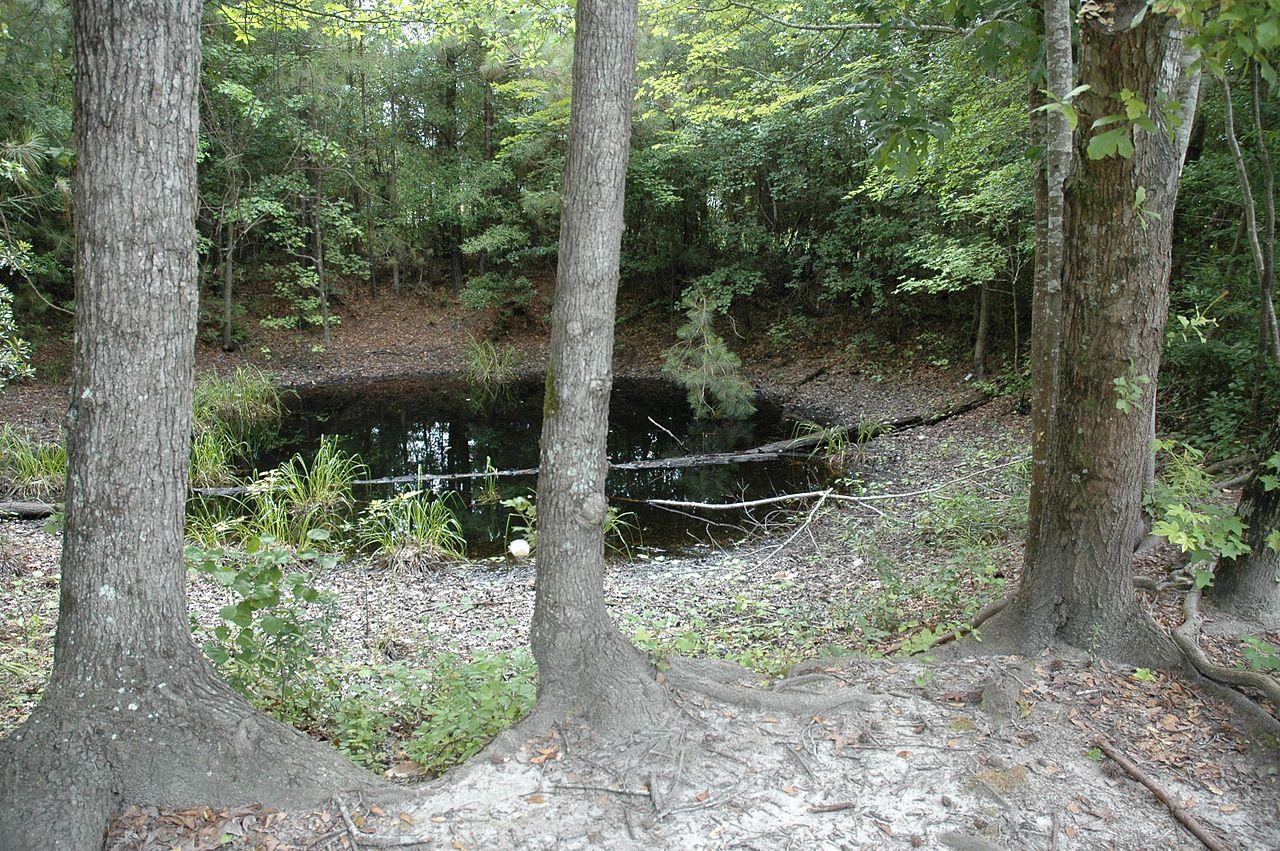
[
  {"x": 489, "y": 365},
  {"x": 288, "y": 502},
  {"x": 507, "y": 292},
  {"x": 1184, "y": 514},
  {"x": 270, "y": 637}
]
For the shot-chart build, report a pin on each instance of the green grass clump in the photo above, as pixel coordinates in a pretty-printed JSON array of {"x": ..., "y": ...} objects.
[
  {"x": 297, "y": 497},
  {"x": 213, "y": 454},
  {"x": 489, "y": 365},
  {"x": 411, "y": 528},
  {"x": 29, "y": 467},
  {"x": 240, "y": 404}
]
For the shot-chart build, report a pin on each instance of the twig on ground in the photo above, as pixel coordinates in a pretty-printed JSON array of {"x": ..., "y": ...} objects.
[
  {"x": 612, "y": 790},
  {"x": 833, "y": 807},
  {"x": 813, "y": 512},
  {"x": 1198, "y": 830}
]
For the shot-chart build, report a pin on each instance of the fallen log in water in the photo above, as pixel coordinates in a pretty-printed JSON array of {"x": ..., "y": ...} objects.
[{"x": 27, "y": 510}]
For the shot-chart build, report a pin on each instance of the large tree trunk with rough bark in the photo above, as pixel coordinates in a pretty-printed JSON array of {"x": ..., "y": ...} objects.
[
  {"x": 585, "y": 665},
  {"x": 1092, "y": 432},
  {"x": 133, "y": 712},
  {"x": 1249, "y": 585}
]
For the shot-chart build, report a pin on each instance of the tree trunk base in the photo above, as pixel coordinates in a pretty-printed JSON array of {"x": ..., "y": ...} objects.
[
  {"x": 183, "y": 739},
  {"x": 1130, "y": 635}
]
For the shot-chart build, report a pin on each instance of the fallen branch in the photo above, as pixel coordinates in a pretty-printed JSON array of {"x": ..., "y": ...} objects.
[
  {"x": 1233, "y": 482},
  {"x": 1187, "y": 638},
  {"x": 27, "y": 510},
  {"x": 1198, "y": 830},
  {"x": 824, "y": 494},
  {"x": 777, "y": 451},
  {"x": 1227, "y": 463},
  {"x": 813, "y": 512}
]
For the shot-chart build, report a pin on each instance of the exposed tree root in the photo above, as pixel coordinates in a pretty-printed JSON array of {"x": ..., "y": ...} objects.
[
  {"x": 1187, "y": 638},
  {"x": 718, "y": 682},
  {"x": 1198, "y": 830}
]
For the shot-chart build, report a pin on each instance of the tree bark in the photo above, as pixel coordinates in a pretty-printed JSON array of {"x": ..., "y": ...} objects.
[
  {"x": 132, "y": 711},
  {"x": 1268, "y": 236},
  {"x": 585, "y": 665},
  {"x": 1090, "y": 466},
  {"x": 980, "y": 344},
  {"x": 1249, "y": 585}
]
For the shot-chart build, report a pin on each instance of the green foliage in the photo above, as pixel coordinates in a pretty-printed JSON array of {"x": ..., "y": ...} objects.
[
  {"x": 1182, "y": 511},
  {"x": 411, "y": 528},
  {"x": 506, "y": 292},
  {"x": 29, "y": 467},
  {"x": 489, "y": 365},
  {"x": 1260, "y": 655},
  {"x": 15, "y": 353},
  {"x": 702, "y": 363},
  {"x": 213, "y": 454},
  {"x": 239, "y": 405},
  {"x": 269, "y": 638}
]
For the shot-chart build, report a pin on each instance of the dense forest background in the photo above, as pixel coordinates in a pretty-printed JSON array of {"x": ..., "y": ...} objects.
[{"x": 785, "y": 173}]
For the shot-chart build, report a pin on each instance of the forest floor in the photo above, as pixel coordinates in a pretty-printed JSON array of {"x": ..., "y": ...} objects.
[{"x": 991, "y": 753}]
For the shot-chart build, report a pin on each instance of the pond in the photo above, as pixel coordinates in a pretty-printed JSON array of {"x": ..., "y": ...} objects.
[{"x": 440, "y": 428}]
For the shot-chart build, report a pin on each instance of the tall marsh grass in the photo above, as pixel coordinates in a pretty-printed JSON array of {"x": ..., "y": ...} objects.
[
  {"x": 489, "y": 365},
  {"x": 28, "y": 467}
]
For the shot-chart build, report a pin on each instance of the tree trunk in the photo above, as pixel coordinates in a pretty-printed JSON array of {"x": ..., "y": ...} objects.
[
  {"x": 317, "y": 254},
  {"x": 1266, "y": 312},
  {"x": 1046, "y": 298},
  {"x": 980, "y": 344},
  {"x": 228, "y": 277},
  {"x": 453, "y": 144},
  {"x": 132, "y": 711},
  {"x": 585, "y": 665},
  {"x": 1249, "y": 585},
  {"x": 1078, "y": 583},
  {"x": 1268, "y": 236}
]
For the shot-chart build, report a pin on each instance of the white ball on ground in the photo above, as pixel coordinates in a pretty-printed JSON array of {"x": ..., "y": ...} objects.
[{"x": 519, "y": 549}]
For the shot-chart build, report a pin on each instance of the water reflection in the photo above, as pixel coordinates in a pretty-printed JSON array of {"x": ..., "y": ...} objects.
[{"x": 439, "y": 428}]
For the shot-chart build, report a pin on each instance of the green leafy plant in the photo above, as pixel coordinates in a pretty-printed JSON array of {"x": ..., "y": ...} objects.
[
  {"x": 287, "y": 503},
  {"x": 269, "y": 638},
  {"x": 1260, "y": 655},
  {"x": 1184, "y": 514}
]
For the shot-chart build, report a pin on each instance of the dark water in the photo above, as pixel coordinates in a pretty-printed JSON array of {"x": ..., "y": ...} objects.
[{"x": 429, "y": 429}]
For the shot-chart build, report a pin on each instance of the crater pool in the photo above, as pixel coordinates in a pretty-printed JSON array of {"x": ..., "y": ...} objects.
[{"x": 432, "y": 430}]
